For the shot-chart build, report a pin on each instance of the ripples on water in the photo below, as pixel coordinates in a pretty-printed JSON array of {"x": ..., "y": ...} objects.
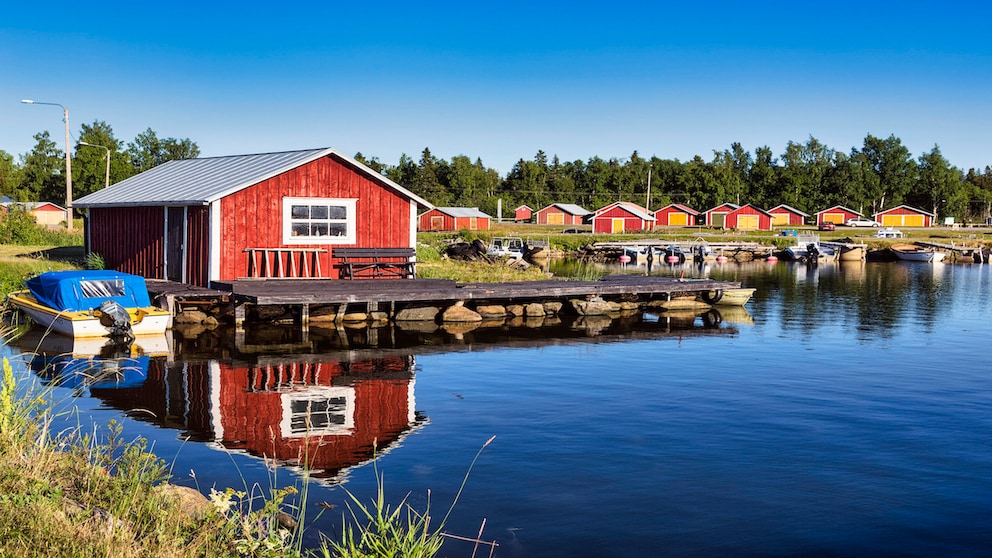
[{"x": 846, "y": 415}]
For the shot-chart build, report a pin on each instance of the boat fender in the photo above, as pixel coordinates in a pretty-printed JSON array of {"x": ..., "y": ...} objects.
[{"x": 712, "y": 297}]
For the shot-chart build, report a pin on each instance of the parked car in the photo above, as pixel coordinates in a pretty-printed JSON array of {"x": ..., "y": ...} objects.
[
  {"x": 862, "y": 222},
  {"x": 827, "y": 227}
]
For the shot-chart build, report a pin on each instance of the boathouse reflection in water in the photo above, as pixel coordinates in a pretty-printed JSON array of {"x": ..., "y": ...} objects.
[{"x": 330, "y": 399}]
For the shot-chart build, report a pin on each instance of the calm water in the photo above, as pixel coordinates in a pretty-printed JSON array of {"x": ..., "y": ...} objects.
[{"x": 848, "y": 412}]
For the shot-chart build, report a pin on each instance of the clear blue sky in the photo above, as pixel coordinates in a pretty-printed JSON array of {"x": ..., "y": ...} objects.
[{"x": 502, "y": 82}]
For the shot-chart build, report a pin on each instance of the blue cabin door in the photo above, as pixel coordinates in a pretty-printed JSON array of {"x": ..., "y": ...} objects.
[{"x": 175, "y": 246}]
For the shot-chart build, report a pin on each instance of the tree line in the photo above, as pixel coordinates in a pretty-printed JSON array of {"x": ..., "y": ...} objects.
[
  {"x": 809, "y": 176},
  {"x": 39, "y": 175}
]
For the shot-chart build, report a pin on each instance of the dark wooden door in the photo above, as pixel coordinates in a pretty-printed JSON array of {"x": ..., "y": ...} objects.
[{"x": 175, "y": 244}]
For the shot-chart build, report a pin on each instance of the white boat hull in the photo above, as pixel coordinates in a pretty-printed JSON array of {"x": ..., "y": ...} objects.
[
  {"x": 144, "y": 321},
  {"x": 932, "y": 257}
]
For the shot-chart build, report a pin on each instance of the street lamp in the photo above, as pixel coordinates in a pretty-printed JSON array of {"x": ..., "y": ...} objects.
[
  {"x": 68, "y": 162},
  {"x": 107, "y": 181}
]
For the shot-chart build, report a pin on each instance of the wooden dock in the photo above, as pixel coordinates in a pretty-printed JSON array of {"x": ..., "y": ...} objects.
[{"x": 390, "y": 296}]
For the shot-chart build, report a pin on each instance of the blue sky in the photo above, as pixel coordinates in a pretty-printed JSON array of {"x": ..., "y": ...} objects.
[{"x": 573, "y": 79}]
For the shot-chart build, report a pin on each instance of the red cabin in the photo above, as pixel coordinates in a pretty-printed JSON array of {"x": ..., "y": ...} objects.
[
  {"x": 523, "y": 213},
  {"x": 203, "y": 220},
  {"x": 748, "y": 218},
  {"x": 715, "y": 216},
  {"x": 904, "y": 216},
  {"x": 783, "y": 215},
  {"x": 562, "y": 214},
  {"x": 837, "y": 215},
  {"x": 619, "y": 217},
  {"x": 454, "y": 219},
  {"x": 676, "y": 215}
]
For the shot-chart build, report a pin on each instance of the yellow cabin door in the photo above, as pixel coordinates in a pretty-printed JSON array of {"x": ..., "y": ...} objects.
[
  {"x": 677, "y": 219},
  {"x": 780, "y": 219},
  {"x": 912, "y": 221},
  {"x": 437, "y": 223},
  {"x": 556, "y": 218},
  {"x": 892, "y": 220},
  {"x": 617, "y": 226},
  {"x": 835, "y": 218},
  {"x": 747, "y": 222}
]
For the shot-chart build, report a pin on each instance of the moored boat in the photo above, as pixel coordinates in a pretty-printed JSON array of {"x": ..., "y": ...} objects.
[
  {"x": 93, "y": 303},
  {"x": 809, "y": 250},
  {"x": 914, "y": 253},
  {"x": 727, "y": 297}
]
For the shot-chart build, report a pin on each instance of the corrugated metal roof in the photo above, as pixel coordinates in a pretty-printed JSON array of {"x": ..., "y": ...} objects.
[
  {"x": 462, "y": 212},
  {"x": 788, "y": 208},
  {"x": 201, "y": 181},
  {"x": 573, "y": 208}
]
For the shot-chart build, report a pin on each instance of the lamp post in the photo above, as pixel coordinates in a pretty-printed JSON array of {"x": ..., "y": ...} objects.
[
  {"x": 68, "y": 161},
  {"x": 107, "y": 181}
]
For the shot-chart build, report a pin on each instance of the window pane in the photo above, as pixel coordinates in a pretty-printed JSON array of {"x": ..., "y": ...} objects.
[
  {"x": 301, "y": 212},
  {"x": 338, "y": 229},
  {"x": 319, "y": 229},
  {"x": 301, "y": 229},
  {"x": 318, "y": 212},
  {"x": 338, "y": 212}
]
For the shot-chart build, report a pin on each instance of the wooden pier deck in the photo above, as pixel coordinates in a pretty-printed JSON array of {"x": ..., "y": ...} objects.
[
  {"x": 391, "y": 295},
  {"x": 289, "y": 291}
]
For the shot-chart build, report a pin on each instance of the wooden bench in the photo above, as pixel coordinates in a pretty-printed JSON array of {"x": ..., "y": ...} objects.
[{"x": 373, "y": 263}]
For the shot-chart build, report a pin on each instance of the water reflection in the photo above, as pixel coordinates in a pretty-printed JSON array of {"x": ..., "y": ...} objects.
[{"x": 327, "y": 398}]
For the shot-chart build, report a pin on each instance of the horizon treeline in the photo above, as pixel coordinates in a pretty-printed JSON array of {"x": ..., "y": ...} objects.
[{"x": 808, "y": 176}]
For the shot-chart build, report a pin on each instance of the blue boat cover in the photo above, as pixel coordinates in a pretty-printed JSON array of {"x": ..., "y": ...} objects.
[{"x": 70, "y": 291}]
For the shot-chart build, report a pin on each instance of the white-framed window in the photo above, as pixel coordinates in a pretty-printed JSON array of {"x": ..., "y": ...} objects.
[
  {"x": 318, "y": 411},
  {"x": 318, "y": 220}
]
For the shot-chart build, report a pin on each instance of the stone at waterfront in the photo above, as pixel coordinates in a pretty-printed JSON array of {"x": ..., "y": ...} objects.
[
  {"x": 551, "y": 308},
  {"x": 418, "y": 314},
  {"x": 378, "y": 317},
  {"x": 190, "y": 317},
  {"x": 355, "y": 317},
  {"x": 460, "y": 314},
  {"x": 191, "y": 502},
  {"x": 491, "y": 311},
  {"x": 592, "y": 307},
  {"x": 268, "y": 313},
  {"x": 211, "y": 322},
  {"x": 323, "y": 318},
  {"x": 629, "y": 306},
  {"x": 515, "y": 309},
  {"x": 533, "y": 310}
]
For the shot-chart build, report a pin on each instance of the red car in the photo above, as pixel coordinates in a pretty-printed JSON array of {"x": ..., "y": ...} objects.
[{"x": 827, "y": 226}]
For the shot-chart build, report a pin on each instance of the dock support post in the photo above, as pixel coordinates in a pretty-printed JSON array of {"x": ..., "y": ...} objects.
[
  {"x": 239, "y": 315},
  {"x": 305, "y": 319}
]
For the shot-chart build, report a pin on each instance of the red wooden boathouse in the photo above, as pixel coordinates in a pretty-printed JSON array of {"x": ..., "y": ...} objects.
[
  {"x": 562, "y": 214},
  {"x": 676, "y": 215},
  {"x": 905, "y": 216},
  {"x": 454, "y": 219},
  {"x": 784, "y": 215},
  {"x": 217, "y": 219},
  {"x": 619, "y": 217},
  {"x": 748, "y": 218}
]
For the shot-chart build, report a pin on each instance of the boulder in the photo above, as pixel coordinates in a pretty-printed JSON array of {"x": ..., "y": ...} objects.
[
  {"x": 460, "y": 314},
  {"x": 418, "y": 314},
  {"x": 533, "y": 310},
  {"x": 552, "y": 308},
  {"x": 592, "y": 307},
  {"x": 190, "y": 317},
  {"x": 515, "y": 309},
  {"x": 491, "y": 311}
]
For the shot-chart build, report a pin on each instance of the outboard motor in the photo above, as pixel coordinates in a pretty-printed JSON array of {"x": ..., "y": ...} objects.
[
  {"x": 812, "y": 254},
  {"x": 115, "y": 318}
]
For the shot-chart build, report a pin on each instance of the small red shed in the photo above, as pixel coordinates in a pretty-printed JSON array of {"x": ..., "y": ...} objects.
[
  {"x": 715, "y": 215},
  {"x": 454, "y": 219},
  {"x": 46, "y": 214},
  {"x": 905, "y": 216},
  {"x": 619, "y": 217},
  {"x": 203, "y": 220},
  {"x": 676, "y": 215},
  {"x": 837, "y": 215},
  {"x": 523, "y": 213},
  {"x": 748, "y": 218},
  {"x": 784, "y": 215},
  {"x": 562, "y": 214}
]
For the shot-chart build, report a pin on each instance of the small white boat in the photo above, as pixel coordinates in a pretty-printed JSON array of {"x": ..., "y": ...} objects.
[
  {"x": 888, "y": 232},
  {"x": 95, "y": 303},
  {"x": 728, "y": 297},
  {"x": 914, "y": 253},
  {"x": 809, "y": 250},
  {"x": 506, "y": 246}
]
